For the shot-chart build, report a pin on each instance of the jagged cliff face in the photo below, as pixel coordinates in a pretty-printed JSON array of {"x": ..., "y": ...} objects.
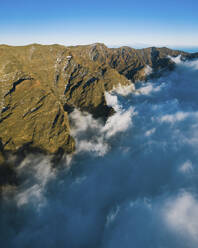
[{"x": 41, "y": 85}]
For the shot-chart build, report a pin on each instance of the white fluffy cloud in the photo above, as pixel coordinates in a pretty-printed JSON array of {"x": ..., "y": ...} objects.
[
  {"x": 186, "y": 167},
  {"x": 92, "y": 135},
  {"x": 39, "y": 170},
  {"x": 181, "y": 215},
  {"x": 124, "y": 90},
  {"x": 172, "y": 118},
  {"x": 149, "y": 88}
]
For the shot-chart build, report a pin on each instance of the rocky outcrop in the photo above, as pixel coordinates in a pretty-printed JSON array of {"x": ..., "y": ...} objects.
[{"x": 41, "y": 85}]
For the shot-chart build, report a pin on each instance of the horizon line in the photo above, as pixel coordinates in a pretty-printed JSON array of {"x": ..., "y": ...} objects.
[{"x": 134, "y": 46}]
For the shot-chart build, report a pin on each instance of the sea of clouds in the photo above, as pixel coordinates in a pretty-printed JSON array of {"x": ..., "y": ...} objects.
[{"x": 132, "y": 182}]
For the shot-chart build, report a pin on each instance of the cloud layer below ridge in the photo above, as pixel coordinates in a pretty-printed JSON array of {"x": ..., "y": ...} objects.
[{"x": 133, "y": 182}]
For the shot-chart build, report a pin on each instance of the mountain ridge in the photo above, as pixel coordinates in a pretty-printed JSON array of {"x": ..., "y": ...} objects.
[{"x": 41, "y": 84}]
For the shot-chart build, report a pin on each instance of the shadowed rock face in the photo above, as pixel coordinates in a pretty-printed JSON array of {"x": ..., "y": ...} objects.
[{"x": 40, "y": 85}]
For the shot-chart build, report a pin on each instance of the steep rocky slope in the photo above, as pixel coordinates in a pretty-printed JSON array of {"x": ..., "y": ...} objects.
[{"x": 41, "y": 85}]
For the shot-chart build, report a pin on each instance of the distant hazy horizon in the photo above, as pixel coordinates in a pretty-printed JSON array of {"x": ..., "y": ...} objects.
[{"x": 136, "y": 46}]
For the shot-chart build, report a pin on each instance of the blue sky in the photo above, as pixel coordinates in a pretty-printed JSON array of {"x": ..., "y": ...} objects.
[{"x": 136, "y": 23}]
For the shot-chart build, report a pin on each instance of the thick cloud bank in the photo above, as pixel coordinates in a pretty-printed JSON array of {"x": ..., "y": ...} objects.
[{"x": 133, "y": 182}]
